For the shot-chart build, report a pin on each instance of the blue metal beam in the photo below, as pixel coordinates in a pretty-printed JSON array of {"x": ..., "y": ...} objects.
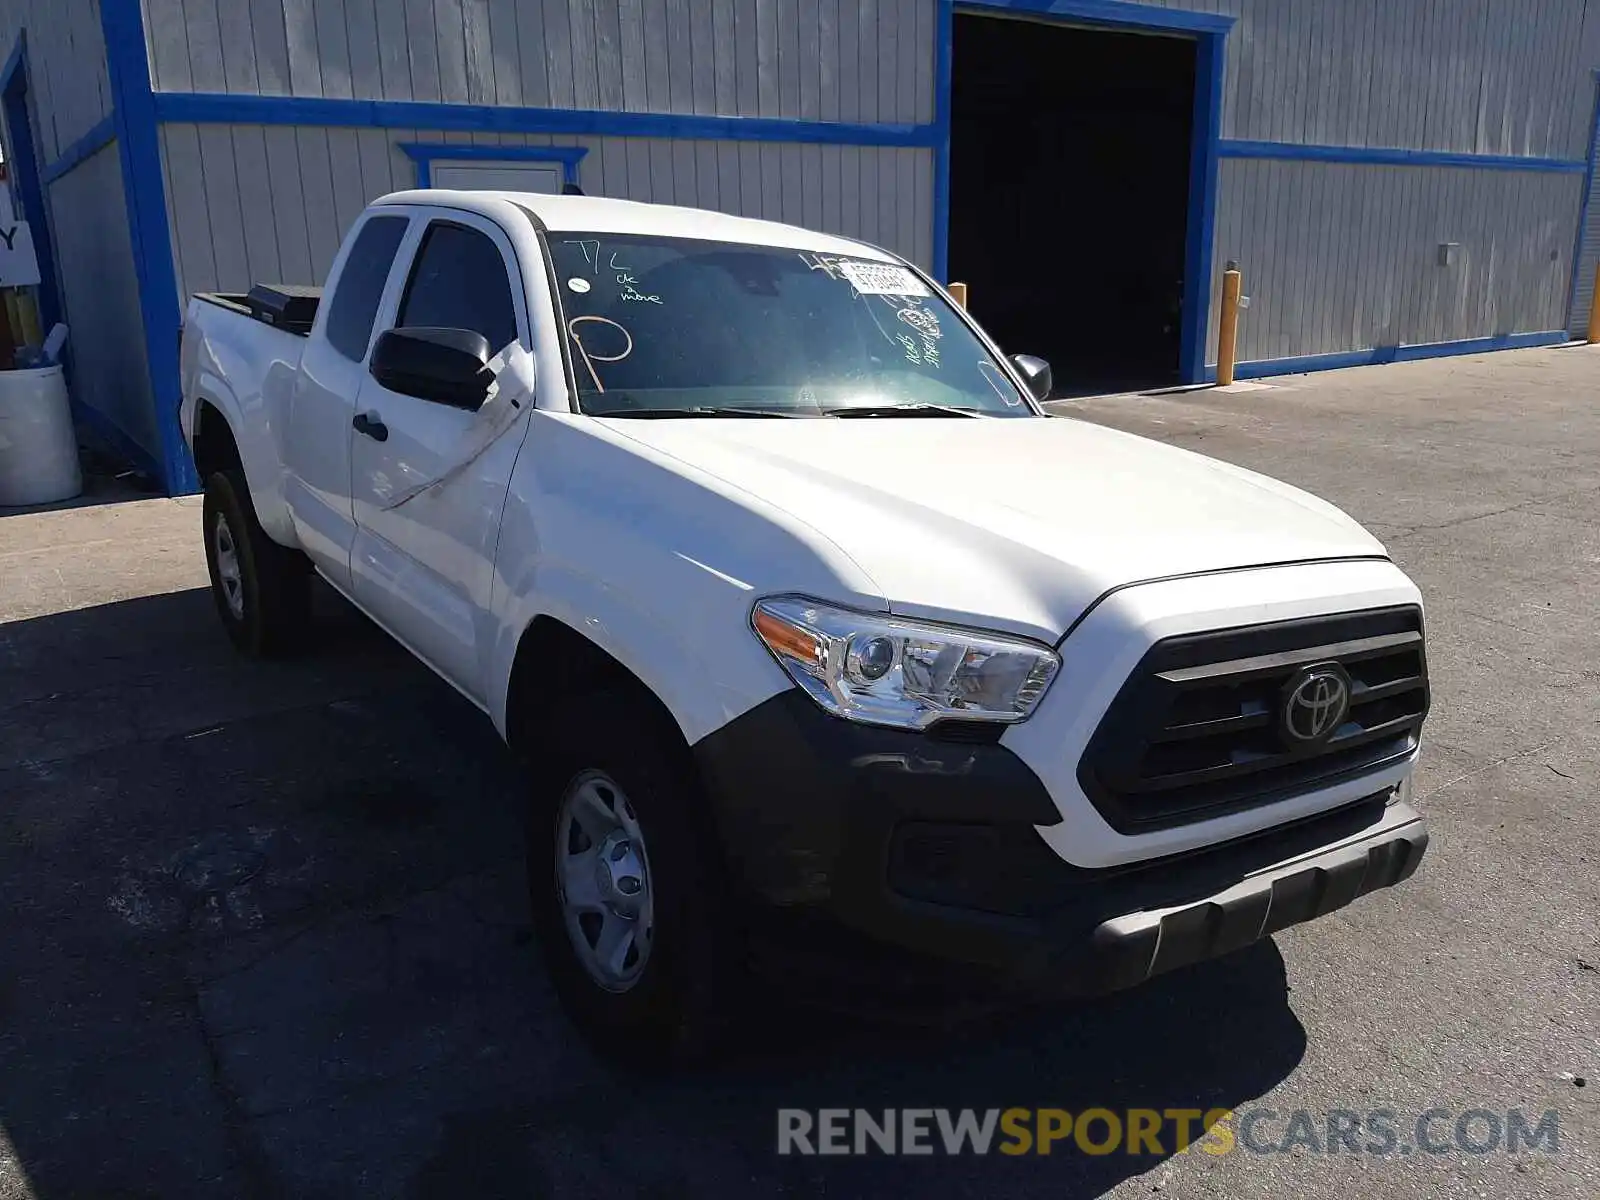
[
  {"x": 944, "y": 65},
  {"x": 409, "y": 114},
  {"x": 144, "y": 191},
  {"x": 1112, "y": 13},
  {"x": 1392, "y": 156},
  {"x": 1200, "y": 236},
  {"x": 90, "y": 144}
]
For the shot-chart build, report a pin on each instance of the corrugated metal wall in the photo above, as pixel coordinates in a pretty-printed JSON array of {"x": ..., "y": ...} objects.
[
  {"x": 831, "y": 60},
  {"x": 69, "y": 92},
  {"x": 1583, "y": 290},
  {"x": 251, "y": 202},
  {"x": 1478, "y": 76},
  {"x": 1484, "y": 76},
  {"x": 69, "y": 89},
  {"x": 1345, "y": 256},
  {"x": 100, "y": 293},
  {"x": 1342, "y": 256},
  {"x": 1337, "y": 256}
]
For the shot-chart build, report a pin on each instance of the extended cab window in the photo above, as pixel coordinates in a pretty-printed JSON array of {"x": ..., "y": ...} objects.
[
  {"x": 360, "y": 287},
  {"x": 459, "y": 282}
]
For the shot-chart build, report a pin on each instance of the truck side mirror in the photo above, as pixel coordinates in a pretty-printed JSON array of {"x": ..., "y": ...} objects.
[
  {"x": 1035, "y": 373},
  {"x": 434, "y": 363}
]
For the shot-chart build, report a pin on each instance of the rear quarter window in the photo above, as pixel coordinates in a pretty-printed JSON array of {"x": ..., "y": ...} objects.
[{"x": 354, "y": 305}]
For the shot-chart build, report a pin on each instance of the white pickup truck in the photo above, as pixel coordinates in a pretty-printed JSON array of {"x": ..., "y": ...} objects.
[{"x": 829, "y": 653}]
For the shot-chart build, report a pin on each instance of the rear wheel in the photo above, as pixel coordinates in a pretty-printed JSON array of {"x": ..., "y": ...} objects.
[
  {"x": 624, "y": 882},
  {"x": 262, "y": 590}
]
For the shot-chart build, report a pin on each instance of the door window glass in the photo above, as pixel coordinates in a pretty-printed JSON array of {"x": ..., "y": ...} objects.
[{"x": 459, "y": 281}]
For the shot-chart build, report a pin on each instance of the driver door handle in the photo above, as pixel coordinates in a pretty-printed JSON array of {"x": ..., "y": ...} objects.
[{"x": 371, "y": 425}]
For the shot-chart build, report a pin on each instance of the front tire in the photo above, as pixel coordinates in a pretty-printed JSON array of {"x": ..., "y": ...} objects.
[
  {"x": 262, "y": 590},
  {"x": 625, "y": 884}
]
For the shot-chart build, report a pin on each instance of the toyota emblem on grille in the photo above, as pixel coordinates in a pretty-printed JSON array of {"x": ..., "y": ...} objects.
[{"x": 1315, "y": 704}]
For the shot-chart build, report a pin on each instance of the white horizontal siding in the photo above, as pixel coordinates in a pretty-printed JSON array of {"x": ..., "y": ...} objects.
[
  {"x": 69, "y": 90},
  {"x": 805, "y": 59},
  {"x": 1340, "y": 256}
]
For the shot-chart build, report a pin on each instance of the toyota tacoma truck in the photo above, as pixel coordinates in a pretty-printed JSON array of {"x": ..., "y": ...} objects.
[{"x": 829, "y": 653}]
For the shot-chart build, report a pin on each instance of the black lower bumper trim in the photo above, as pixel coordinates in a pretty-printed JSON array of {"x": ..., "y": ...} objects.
[
  {"x": 1130, "y": 949},
  {"x": 884, "y": 855}
]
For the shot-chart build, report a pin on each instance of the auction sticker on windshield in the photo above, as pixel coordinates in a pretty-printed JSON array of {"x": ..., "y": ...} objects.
[{"x": 882, "y": 279}]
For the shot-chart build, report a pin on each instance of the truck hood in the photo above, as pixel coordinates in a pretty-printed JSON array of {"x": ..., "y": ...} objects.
[{"x": 1010, "y": 524}]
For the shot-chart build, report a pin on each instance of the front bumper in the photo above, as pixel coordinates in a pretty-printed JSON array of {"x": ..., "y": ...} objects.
[{"x": 881, "y": 857}]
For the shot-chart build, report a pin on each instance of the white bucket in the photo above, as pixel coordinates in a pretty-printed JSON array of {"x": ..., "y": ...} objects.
[{"x": 38, "y": 451}]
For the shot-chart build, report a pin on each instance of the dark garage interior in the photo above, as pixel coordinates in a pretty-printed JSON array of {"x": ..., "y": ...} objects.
[{"x": 1069, "y": 193}]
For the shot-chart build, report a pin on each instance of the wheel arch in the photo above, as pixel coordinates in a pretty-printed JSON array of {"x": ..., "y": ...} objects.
[
  {"x": 555, "y": 665},
  {"x": 215, "y": 446}
]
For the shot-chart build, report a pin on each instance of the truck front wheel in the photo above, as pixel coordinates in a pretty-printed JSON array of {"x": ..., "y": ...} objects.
[
  {"x": 262, "y": 589},
  {"x": 624, "y": 885}
]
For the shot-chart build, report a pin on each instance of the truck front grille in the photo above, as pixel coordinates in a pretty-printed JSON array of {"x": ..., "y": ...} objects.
[{"x": 1199, "y": 728}]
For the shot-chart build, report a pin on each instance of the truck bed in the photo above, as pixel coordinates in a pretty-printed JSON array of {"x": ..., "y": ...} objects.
[{"x": 284, "y": 306}]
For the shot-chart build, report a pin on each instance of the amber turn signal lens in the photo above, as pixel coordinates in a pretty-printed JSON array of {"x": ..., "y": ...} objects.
[{"x": 785, "y": 640}]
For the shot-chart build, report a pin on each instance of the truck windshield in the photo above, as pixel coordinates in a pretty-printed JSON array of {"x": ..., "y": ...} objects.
[{"x": 661, "y": 326}]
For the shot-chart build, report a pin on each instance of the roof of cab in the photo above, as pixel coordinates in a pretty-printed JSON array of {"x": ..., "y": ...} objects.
[{"x": 599, "y": 214}]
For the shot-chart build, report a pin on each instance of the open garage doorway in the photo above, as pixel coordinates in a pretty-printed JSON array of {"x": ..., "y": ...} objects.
[{"x": 1070, "y": 155}]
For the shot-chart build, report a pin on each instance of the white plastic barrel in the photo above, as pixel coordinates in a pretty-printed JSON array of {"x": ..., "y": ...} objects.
[{"x": 38, "y": 452}]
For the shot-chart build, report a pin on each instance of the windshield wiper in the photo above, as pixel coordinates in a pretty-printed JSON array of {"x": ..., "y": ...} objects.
[
  {"x": 702, "y": 411},
  {"x": 899, "y": 410}
]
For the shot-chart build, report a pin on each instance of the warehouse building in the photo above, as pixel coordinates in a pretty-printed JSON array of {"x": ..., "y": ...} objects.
[{"x": 1395, "y": 178}]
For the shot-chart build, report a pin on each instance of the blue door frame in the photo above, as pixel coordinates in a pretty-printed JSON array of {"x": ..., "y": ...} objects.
[
  {"x": 1209, "y": 33},
  {"x": 23, "y": 161}
]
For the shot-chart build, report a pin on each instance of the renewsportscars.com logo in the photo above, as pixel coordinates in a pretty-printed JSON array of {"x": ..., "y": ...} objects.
[{"x": 1136, "y": 1131}]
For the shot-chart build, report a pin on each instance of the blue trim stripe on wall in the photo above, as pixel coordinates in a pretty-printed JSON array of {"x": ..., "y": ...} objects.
[
  {"x": 86, "y": 147},
  {"x": 139, "y": 145},
  {"x": 425, "y": 154},
  {"x": 1382, "y": 355},
  {"x": 1295, "y": 151},
  {"x": 203, "y": 108}
]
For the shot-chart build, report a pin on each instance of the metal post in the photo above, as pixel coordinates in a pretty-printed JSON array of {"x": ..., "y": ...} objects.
[
  {"x": 1228, "y": 335},
  {"x": 1594, "y": 308}
]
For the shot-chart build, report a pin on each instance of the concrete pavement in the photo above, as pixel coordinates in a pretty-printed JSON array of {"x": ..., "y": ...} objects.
[{"x": 264, "y": 930}]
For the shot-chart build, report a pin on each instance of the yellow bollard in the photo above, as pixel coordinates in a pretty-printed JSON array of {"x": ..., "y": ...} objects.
[
  {"x": 28, "y": 315},
  {"x": 13, "y": 317},
  {"x": 958, "y": 293},
  {"x": 1228, "y": 334},
  {"x": 1594, "y": 308}
]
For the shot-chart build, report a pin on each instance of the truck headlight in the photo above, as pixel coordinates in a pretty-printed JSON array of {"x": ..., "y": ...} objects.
[{"x": 883, "y": 670}]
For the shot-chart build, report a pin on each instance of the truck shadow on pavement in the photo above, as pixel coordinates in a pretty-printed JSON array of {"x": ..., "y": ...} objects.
[{"x": 266, "y": 933}]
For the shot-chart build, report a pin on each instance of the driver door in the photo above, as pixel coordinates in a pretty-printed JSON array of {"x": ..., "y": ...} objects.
[{"x": 423, "y": 566}]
